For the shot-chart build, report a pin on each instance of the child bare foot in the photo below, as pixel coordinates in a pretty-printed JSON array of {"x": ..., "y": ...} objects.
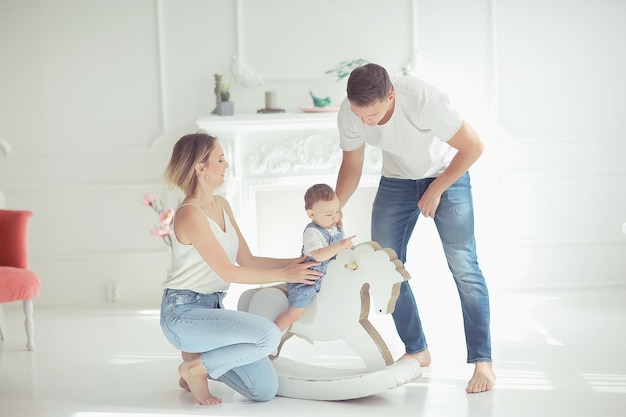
[
  {"x": 483, "y": 378},
  {"x": 195, "y": 376},
  {"x": 423, "y": 357}
]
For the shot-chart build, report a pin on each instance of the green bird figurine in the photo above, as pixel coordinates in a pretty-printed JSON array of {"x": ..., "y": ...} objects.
[{"x": 320, "y": 102}]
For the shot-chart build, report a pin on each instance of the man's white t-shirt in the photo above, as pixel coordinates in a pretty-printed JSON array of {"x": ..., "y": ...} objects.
[{"x": 413, "y": 141}]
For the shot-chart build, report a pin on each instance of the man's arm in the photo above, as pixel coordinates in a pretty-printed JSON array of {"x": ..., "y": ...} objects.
[
  {"x": 469, "y": 148},
  {"x": 349, "y": 174}
]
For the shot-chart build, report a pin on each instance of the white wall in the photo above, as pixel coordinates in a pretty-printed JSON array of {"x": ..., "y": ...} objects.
[{"x": 93, "y": 95}]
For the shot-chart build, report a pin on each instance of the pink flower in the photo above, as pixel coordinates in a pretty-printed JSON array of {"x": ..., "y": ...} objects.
[
  {"x": 162, "y": 231},
  {"x": 148, "y": 200},
  {"x": 166, "y": 217}
]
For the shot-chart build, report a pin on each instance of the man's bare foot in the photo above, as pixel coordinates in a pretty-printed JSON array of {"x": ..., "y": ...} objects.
[
  {"x": 195, "y": 375},
  {"x": 423, "y": 357},
  {"x": 483, "y": 378}
]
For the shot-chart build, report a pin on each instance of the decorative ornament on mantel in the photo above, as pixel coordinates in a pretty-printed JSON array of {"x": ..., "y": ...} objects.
[
  {"x": 320, "y": 102},
  {"x": 223, "y": 105},
  {"x": 320, "y": 105},
  {"x": 270, "y": 104}
]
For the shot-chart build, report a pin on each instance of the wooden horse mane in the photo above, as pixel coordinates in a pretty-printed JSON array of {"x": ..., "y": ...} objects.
[{"x": 365, "y": 302}]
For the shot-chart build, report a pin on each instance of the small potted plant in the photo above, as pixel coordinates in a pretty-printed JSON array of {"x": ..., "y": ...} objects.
[
  {"x": 223, "y": 106},
  {"x": 227, "y": 107}
]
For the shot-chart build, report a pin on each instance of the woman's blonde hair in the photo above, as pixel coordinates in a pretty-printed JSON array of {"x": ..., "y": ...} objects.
[{"x": 188, "y": 151}]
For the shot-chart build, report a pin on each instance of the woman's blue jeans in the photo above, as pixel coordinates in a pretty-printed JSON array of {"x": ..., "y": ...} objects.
[
  {"x": 394, "y": 216},
  {"x": 234, "y": 345}
]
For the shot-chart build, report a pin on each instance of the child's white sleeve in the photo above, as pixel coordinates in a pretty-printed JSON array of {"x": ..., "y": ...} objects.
[{"x": 312, "y": 239}]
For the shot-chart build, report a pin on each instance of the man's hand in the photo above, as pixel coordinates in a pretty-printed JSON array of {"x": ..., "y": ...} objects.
[
  {"x": 428, "y": 203},
  {"x": 340, "y": 221}
]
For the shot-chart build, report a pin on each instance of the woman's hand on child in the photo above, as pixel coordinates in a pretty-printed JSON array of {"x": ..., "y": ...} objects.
[{"x": 300, "y": 272}]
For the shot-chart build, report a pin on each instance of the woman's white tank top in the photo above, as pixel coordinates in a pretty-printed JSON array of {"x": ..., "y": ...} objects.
[{"x": 190, "y": 271}]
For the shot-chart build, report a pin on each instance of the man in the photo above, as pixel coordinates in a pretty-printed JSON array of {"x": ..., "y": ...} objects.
[{"x": 427, "y": 151}]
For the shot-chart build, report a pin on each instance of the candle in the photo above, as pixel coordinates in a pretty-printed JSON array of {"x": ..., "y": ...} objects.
[{"x": 270, "y": 100}]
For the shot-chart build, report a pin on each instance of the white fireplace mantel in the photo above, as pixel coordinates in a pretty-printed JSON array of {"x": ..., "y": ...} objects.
[
  {"x": 279, "y": 151},
  {"x": 241, "y": 123}
]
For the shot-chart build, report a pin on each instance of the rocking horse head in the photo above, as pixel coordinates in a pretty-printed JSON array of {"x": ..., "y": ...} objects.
[
  {"x": 376, "y": 272},
  {"x": 353, "y": 279}
]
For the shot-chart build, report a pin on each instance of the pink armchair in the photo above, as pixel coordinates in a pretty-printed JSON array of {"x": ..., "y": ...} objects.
[{"x": 16, "y": 281}]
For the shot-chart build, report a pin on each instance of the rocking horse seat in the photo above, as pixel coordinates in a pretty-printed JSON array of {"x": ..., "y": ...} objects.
[{"x": 340, "y": 312}]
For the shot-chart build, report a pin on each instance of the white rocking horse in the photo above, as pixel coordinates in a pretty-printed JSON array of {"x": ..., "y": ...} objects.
[{"x": 340, "y": 312}]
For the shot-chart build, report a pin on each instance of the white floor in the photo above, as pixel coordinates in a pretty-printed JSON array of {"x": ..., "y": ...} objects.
[{"x": 555, "y": 354}]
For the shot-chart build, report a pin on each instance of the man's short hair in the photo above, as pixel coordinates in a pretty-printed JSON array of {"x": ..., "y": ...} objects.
[{"x": 368, "y": 84}]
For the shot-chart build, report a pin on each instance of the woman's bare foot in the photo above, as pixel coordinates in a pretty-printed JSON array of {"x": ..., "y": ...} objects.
[
  {"x": 186, "y": 357},
  {"x": 195, "y": 375},
  {"x": 183, "y": 384},
  {"x": 423, "y": 357},
  {"x": 189, "y": 356},
  {"x": 483, "y": 378}
]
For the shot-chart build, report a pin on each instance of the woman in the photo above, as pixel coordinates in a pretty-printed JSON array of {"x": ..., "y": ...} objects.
[{"x": 209, "y": 253}]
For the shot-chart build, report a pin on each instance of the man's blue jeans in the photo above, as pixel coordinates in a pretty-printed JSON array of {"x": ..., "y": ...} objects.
[{"x": 394, "y": 216}]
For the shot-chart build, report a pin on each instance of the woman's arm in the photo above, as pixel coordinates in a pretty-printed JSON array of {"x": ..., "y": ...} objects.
[
  {"x": 193, "y": 228},
  {"x": 245, "y": 256}
]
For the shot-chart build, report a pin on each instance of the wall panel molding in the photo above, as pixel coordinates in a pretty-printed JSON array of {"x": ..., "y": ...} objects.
[
  {"x": 335, "y": 35},
  {"x": 5, "y": 148},
  {"x": 546, "y": 80},
  {"x": 151, "y": 143}
]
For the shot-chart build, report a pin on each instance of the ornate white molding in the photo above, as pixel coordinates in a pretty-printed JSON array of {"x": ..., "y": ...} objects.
[
  {"x": 312, "y": 153},
  {"x": 244, "y": 75},
  {"x": 257, "y": 123},
  {"x": 5, "y": 148},
  {"x": 299, "y": 144},
  {"x": 161, "y": 75}
]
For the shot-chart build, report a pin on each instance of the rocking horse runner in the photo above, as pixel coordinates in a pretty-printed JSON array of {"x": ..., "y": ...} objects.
[{"x": 354, "y": 279}]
